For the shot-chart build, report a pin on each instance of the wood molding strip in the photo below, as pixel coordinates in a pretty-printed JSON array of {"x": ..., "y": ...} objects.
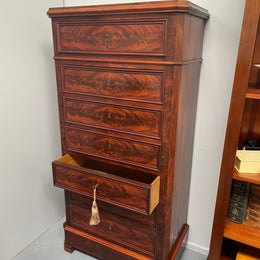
[
  {"x": 152, "y": 62},
  {"x": 176, "y": 246},
  {"x": 106, "y": 243},
  {"x": 146, "y": 7}
]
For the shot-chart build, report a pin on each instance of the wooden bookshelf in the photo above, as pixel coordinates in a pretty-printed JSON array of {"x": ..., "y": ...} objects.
[
  {"x": 248, "y": 177},
  {"x": 242, "y": 233},
  {"x": 243, "y": 124}
]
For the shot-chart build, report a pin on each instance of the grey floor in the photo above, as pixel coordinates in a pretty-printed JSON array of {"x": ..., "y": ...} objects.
[{"x": 49, "y": 246}]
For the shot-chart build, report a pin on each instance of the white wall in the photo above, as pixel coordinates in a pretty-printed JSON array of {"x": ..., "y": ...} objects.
[
  {"x": 219, "y": 60},
  {"x": 29, "y": 119},
  {"x": 217, "y": 73},
  {"x": 29, "y": 130}
]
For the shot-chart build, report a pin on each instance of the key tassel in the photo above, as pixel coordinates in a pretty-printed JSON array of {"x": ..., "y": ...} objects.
[{"x": 95, "y": 219}]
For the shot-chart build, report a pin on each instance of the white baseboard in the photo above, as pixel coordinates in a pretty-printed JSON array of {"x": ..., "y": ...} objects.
[{"x": 197, "y": 248}]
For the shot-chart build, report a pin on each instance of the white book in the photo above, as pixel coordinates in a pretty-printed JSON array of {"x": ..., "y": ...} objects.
[{"x": 247, "y": 161}]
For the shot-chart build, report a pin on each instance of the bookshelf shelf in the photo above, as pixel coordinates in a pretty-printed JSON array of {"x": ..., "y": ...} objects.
[
  {"x": 248, "y": 177},
  {"x": 253, "y": 93},
  {"x": 247, "y": 252},
  {"x": 242, "y": 233},
  {"x": 234, "y": 250}
]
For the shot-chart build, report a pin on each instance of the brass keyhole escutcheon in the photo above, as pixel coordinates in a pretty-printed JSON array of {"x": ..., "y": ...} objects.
[
  {"x": 108, "y": 82},
  {"x": 109, "y": 146},
  {"x": 109, "y": 228},
  {"x": 109, "y": 115},
  {"x": 106, "y": 36}
]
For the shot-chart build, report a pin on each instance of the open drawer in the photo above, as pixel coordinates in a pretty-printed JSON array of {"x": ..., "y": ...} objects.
[{"x": 130, "y": 189}]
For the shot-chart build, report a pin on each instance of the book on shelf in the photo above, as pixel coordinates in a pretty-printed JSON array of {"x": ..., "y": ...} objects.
[
  {"x": 253, "y": 210},
  {"x": 238, "y": 201},
  {"x": 247, "y": 161}
]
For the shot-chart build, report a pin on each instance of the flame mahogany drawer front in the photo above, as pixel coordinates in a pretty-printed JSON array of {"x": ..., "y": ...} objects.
[
  {"x": 112, "y": 37},
  {"x": 120, "y": 150},
  {"x": 114, "y": 117},
  {"x": 124, "y": 83},
  {"x": 118, "y": 186},
  {"x": 114, "y": 228},
  {"x": 141, "y": 220}
]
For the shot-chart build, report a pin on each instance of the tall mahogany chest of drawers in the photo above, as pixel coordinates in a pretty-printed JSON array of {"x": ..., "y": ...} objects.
[{"x": 127, "y": 77}]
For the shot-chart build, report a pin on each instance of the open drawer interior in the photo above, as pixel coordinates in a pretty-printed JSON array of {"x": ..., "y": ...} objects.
[{"x": 131, "y": 189}]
